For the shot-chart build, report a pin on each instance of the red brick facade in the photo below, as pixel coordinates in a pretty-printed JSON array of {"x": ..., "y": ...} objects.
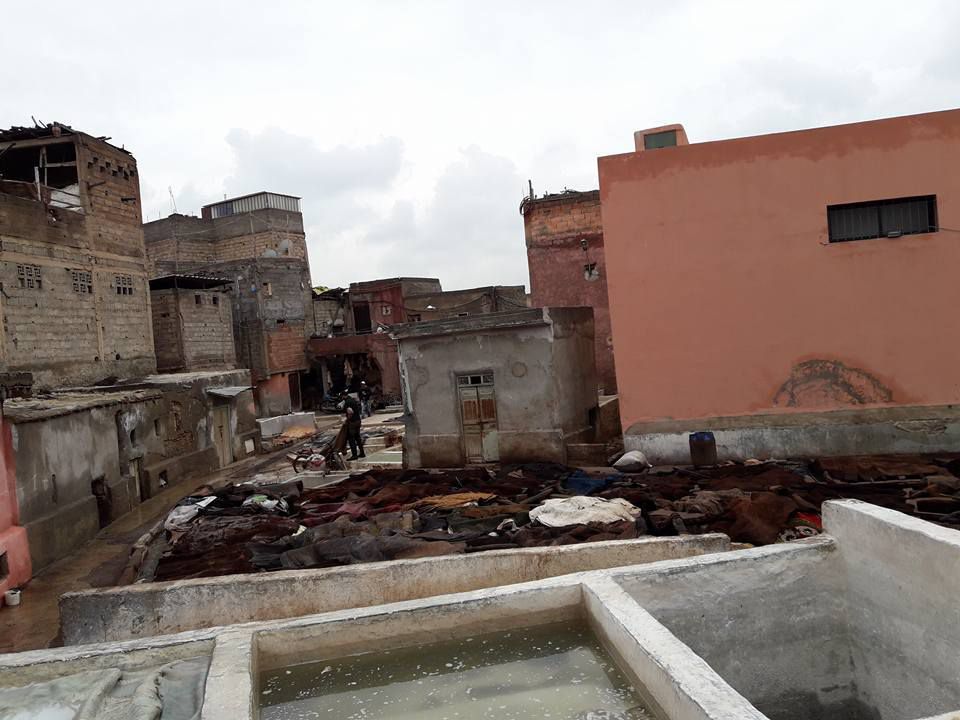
[{"x": 567, "y": 267}]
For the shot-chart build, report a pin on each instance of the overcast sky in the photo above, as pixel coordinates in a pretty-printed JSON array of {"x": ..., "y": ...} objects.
[{"x": 410, "y": 128}]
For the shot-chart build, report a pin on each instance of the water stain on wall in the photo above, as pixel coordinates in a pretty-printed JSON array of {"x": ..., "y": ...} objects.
[{"x": 830, "y": 383}]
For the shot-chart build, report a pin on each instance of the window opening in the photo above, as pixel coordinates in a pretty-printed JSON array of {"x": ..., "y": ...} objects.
[
  {"x": 667, "y": 138},
  {"x": 124, "y": 284},
  {"x": 28, "y": 276},
  {"x": 590, "y": 272},
  {"x": 82, "y": 281},
  {"x": 882, "y": 218}
]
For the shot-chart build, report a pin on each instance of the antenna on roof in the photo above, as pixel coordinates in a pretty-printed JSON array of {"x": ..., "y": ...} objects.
[
  {"x": 173, "y": 200},
  {"x": 35, "y": 123}
]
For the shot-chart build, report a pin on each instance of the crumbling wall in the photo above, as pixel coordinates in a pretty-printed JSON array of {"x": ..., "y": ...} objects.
[
  {"x": 75, "y": 303},
  {"x": 528, "y": 409},
  {"x": 564, "y": 273},
  {"x": 63, "y": 463},
  {"x": 574, "y": 373}
]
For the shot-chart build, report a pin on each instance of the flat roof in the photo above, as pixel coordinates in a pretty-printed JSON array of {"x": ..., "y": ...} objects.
[
  {"x": 188, "y": 282},
  {"x": 248, "y": 195},
  {"x": 873, "y": 122},
  {"x": 56, "y": 404},
  {"x": 471, "y": 323}
]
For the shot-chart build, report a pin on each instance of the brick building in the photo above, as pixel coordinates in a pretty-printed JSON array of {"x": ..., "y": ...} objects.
[
  {"x": 565, "y": 255},
  {"x": 257, "y": 244},
  {"x": 352, "y": 344},
  {"x": 192, "y": 323},
  {"x": 75, "y": 301}
]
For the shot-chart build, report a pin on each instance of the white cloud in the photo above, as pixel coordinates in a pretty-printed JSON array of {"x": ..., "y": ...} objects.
[{"x": 411, "y": 127}]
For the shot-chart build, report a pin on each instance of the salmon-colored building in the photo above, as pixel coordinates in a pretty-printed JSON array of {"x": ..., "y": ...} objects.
[{"x": 756, "y": 280}]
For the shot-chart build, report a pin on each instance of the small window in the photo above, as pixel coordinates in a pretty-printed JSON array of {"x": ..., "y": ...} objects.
[
  {"x": 462, "y": 314},
  {"x": 485, "y": 379},
  {"x": 590, "y": 272},
  {"x": 28, "y": 276},
  {"x": 82, "y": 281},
  {"x": 124, "y": 284},
  {"x": 882, "y": 218},
  {"x": 215, "y": 300},
  {"x": 415, "y": 317},
  {"x": 385, "y": 309},
  {"x": 667, "y": 138},
  {"x": 281, "y": 321},
  {"x": 198, "y": 299},
  {"x": 268, "y": 289},
  {"x": 157, "y": 427}
]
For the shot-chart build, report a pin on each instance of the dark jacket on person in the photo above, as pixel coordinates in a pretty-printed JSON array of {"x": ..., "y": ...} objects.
[{"x": 355, "y": 406}]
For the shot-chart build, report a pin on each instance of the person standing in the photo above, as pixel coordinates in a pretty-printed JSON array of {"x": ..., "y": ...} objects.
[
  {"x": 365, "y": 395},
  {"x": 353, "y": 422}
]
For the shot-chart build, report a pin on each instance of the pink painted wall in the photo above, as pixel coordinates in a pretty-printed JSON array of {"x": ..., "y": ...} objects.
[
  {"x": 13, "y": 538},
  {"x": 727, "y": 299}
]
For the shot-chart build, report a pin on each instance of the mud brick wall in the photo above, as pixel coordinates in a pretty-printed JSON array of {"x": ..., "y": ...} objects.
[
  {"x": 207, "y": 329},
  {"x": 555, "y": 227},
  {"x": 191, "y": 244},
  {"x": 180, "y": 242},
  {"x": 272, "y": 313},
  {"x": 167, "y": 338},
  {"x": 75, "y": 303}
]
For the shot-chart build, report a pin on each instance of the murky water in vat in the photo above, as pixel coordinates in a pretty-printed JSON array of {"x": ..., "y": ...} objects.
[{"x": 556, "y": 671}]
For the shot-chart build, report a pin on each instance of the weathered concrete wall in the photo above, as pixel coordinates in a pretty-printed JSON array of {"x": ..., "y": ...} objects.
[
  {"x": 64, "y": 462},
  {"x": 776, "y": 631},
  {"x": 88, "y": 317},
  {"x": 838, "y": 433},
  {"x": 556, "y": 228},
  {"x": 159, "y": 608},
  {"x": 529, "y": 425},
  {"x": 722, "y": 276},
  {"x": 574, "y": 370},
  {"x": 903, "y": 579},
  {"x": 542, "y": 383},
  {"x": 273, "y": 396},
  {"x": 186, "y": 427},
  {"x": 736, "y": 631}
]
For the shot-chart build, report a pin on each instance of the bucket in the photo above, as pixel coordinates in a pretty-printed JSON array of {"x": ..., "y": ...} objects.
[
  {"x": 703, "y": 448},
  {"x": 11, "y": 598}
]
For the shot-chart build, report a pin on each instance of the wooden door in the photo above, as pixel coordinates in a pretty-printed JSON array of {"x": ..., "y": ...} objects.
[
  {"x": 222, "y": 438},
  {"x": 478, "y": 415}
]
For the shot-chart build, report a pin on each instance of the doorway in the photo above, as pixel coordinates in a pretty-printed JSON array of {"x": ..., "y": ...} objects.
[
  {"x": 293, "y": 381},
  {"x": 135, "y": 468},
  {"x": 222, "y": 437},
  {"x": 478, "y": 414}
]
